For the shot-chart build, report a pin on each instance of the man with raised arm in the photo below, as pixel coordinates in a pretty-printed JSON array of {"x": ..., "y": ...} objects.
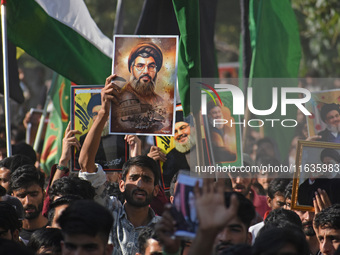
[{"x": 140, "y": 178}]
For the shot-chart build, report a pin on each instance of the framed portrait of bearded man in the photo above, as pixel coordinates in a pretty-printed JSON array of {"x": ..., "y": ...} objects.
[
  {"x": 325, "y": 119},
  {"x": 147, "y": 99}
]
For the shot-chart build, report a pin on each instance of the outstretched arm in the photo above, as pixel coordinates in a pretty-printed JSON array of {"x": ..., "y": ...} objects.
[
  {"x": 109, "y": 93},
  {"x": 135, "y": 145},
  {"x": 212, "y": 213},
  {"x": 69, "y": 140}
]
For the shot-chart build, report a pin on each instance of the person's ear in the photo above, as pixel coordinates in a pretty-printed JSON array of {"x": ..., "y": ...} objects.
[
  {"x": 249, "y": 238},
  {"x": 15, "y": 235},
  {"x": 122, "y": 186},
  {"x": 172, "y": 199},
  {"x": 269, "y": 201},
  {"x": 108, "y": 249},
  {"x": 156, "y": 190}
]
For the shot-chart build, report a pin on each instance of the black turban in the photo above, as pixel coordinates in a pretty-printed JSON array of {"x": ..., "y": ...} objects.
[{"x": 146, "y": 47}]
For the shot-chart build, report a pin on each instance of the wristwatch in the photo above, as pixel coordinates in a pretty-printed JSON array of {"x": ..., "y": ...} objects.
[{"x": 65, "y": 169}]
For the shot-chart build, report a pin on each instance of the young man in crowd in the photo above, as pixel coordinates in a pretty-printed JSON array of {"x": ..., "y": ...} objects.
[
  {"x": 27, "y": 184},
  {"x": 10, "y": 224},
  {"x": 241, "y": 183},
  {"x": 86, "y": 226},
  {"x": 140, "y": 178},
  {"x": 327, "y": 228},
  {"x": 148, "y": 243}
]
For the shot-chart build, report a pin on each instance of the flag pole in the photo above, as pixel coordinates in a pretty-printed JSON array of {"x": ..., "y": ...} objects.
[
  {"x": 118, "y": 25},
  {"x": 6, "y": 77},
  {"x": 44, "y": 114}
]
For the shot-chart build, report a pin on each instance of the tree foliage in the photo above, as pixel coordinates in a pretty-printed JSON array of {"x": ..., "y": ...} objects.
[{"x": 319, "y": 24}]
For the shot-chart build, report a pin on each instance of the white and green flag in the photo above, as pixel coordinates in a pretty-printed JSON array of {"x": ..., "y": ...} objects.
[{"x": 62, "y": 35}]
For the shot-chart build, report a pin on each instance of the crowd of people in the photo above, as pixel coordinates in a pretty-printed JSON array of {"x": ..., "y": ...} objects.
[{"x": 91, "y": 212}]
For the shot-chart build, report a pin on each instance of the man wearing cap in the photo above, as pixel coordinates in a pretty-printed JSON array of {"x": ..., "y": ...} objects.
[
  {"x": 145, "y": 61},
  {"x": 330, "y": 114}
]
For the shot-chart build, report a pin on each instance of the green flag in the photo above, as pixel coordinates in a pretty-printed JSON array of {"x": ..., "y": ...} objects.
[
  {"x": 189, "y": 60},
  {"x": 276, "y": 53},
  {"x": 58, "y": 121}
]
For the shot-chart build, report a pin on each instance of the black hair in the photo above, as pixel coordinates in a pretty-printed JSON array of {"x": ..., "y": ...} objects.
[
  {"x": 112, "y": 189},
  {"x": 9, "y": 219},
  {"x": 64, "y": 200},
  {"x": 24, "y": 149},
  {"x": 237, "y": 249},
  {"x": 26, "y": 176},
  {"x": 86, "y": 217},
  {"x": 15, "y": 161},
  {"x": 272, "y": 240},
  {"x": 9, "y": 247},
  {"x": 328, "y": 218},
  {"x": 144, "y": 235},
  {"x": 266, "y": 160},
  {"x": 71, "y": 186},
  {"x": 46, "y": 237},
  {"x": 289, "y": 189},
  {"x": 246, "y": 210},
  {"x": 142, "y": 161},
  {"x": 280, "y": 215},
  {"x": 277, "y": 185},
  {"x": 2, "y": 191}
]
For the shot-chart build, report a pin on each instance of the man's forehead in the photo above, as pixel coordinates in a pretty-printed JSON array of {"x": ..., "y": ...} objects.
[
  {"x": 140, "y": 59},
  {"x": 236, "y": 222},
  {"x": 4, "y": 170},
  {"x": 140, "y": 170},
  {"x": 328, "y": 231},
  {"x": 30, "y": 188}
]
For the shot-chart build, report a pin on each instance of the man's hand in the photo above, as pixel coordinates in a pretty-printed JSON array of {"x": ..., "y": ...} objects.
[
  {"x": 111, "y": 92},
  {"x": 212, "y": 212},
  {"x": 314, "y": 138},
  {"x": 156, "y": 154},
  {"x": 69, "y": 140},
  {"x": 135, "y": 145},
  {"x": 165, "y": 230},
  {"x": 321, "y": 201}
]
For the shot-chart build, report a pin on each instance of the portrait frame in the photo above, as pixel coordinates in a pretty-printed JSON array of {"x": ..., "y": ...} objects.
[
  {"x": 315, "y": 123},
  {"x": 152, "y": 113},
  {"x": 308, "y": 166},
  {"x": 235, "y": 145},
  {"x": 112, "y": 157},
  {"x": 183, "y": 205}
]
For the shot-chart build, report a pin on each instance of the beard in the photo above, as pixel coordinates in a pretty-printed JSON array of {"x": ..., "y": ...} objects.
[
  {"x": 128, "y": 194},
  {"x": 333, "y": 128},
  {"x": 143, "y": 88},
  {"x": 307, "y": 228},
  {"x": 185, "y": 147},
  {"x": 35, "y": 214},
  {"x": 221, "y": 247}
]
